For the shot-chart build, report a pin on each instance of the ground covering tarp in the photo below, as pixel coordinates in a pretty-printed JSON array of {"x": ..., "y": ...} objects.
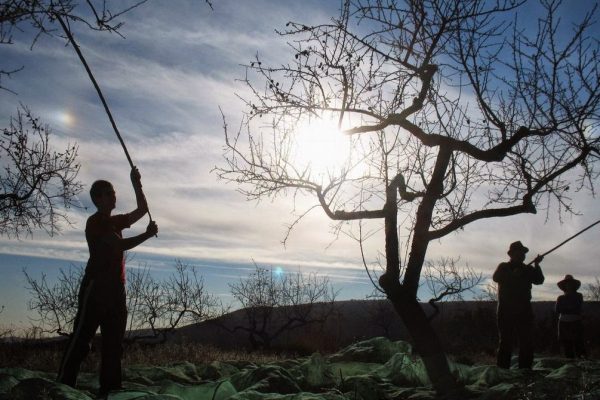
[{"x": 376, "y": 369}]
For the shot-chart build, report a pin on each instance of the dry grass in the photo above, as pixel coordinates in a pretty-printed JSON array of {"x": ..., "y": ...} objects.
[
  {"x": 195, "y": 353},
  {"x": 48, "y": 357}
]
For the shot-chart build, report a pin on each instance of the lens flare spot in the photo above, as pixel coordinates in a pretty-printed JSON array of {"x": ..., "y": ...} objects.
[{"x": 66, "y": 118}]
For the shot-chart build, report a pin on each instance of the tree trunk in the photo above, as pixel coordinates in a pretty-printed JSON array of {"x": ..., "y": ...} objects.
[
  {"x": 404, "y": 296},
  {"x": 426, "y": 343},
  {"x": 424, "y": 338}
]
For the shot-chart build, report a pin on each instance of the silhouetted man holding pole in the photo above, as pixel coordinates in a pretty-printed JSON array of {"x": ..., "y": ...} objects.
[
  {"x": 515, "y": 315},
  {"x": 102, "y": 292}
]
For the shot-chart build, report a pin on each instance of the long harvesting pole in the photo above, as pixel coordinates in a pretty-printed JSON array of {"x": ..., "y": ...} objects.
[
  {"x": 99, "y": 91},
  {"x": 569, "y": 239}
]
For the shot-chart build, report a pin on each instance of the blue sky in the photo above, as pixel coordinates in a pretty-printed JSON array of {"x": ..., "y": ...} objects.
[{"x": 165, "y": 83}]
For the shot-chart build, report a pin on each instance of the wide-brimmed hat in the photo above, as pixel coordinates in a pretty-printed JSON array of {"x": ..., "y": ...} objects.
[
  {"x": 517, "y": 247},
  {"x": 569, "y": 280}
]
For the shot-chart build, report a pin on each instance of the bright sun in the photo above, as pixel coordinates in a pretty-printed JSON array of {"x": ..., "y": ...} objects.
[{"x": 321, "y": 147}]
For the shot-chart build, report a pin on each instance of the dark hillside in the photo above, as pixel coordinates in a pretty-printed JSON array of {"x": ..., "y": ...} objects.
[
  {"x": 464, "y": 327},
  {"x": 467, "y": 329}
]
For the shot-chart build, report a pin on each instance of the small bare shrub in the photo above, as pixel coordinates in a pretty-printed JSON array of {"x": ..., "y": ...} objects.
[{"x": 277, "y": 304}]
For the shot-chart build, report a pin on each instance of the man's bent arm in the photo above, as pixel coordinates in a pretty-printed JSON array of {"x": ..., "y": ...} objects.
[
  {"x": 129, "y": 243},
  {"x": 537, "y": 277},
  {"x": 124, "y": 244}
]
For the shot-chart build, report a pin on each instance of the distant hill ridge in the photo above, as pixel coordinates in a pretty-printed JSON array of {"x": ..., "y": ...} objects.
[{"x": 461, "y": 325}]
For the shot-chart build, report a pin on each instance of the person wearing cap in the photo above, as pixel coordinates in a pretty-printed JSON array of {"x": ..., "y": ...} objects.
[
  {"x": 570, "y": 320},
  {"x": 515, "y": 314}
]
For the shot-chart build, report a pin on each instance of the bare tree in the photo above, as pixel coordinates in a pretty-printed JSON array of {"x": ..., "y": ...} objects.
[
  {"x": 458, "y": 111},
  {"x": 381, "y": 314},
  {"x": 592, "y": 290},
  {"x": 155, "y": 307},
  {"x": 41, "y": 16},
  {"x": 55, "y": 304},
  {"x": 37, "y": 183},
  {"x": 162, "y": 306},
  {"x": 274, "y": 305},
  {"x": 446, "y": 281},
  {"x": 488, "y": 293}
]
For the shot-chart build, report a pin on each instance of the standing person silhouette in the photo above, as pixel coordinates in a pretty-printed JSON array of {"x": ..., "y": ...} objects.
[
  {"x": 515, "y": 315},
  {"x": 102, "y": 291},
  {"x": 570, "y": 320}
]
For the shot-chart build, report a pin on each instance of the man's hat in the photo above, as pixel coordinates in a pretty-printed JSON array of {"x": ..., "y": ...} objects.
[
  {"x": 569, "y": 280},
  {"x": 517, "y": 247}
]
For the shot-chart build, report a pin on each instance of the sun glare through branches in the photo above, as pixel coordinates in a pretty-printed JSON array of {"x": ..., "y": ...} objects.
[{"x": 321, "y": 147}]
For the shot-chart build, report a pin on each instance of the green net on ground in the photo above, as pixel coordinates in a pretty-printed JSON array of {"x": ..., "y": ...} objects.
[{"x": 375, "y": 369}]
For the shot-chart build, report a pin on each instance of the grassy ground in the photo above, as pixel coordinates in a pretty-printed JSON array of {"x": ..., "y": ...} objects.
[{"x": 47, "y": 358}]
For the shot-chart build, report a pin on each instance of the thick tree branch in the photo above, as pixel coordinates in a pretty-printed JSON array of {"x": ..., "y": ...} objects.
[{"x": 527, "y": 205}]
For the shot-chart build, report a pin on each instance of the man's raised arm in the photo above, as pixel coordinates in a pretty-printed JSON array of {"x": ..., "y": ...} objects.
[{"x": 142, "y": 205}]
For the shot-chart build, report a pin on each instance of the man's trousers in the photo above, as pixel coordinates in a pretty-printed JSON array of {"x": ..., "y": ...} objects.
[
  {"x": 515, "y": 325},
  {"x": 104, "y": 308}
]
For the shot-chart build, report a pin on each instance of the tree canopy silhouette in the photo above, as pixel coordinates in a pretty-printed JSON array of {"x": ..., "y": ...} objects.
[
  {"x": 37, "y": 183},
  {"x": 458, "y": 111}
]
